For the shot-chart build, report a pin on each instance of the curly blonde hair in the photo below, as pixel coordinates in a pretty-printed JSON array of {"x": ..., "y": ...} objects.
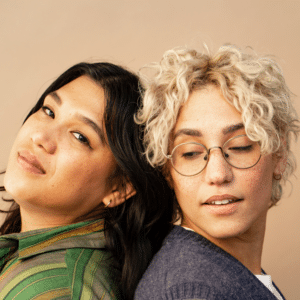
[{"x": 253, "y": 84}]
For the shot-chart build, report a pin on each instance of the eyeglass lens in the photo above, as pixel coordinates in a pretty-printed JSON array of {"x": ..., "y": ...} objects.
[{"x": 191, "y": 158}]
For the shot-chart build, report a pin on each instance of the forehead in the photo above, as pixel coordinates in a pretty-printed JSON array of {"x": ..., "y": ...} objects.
[
  {"x": 82, "y": 91},
  {"x": 208, "y": 111}
]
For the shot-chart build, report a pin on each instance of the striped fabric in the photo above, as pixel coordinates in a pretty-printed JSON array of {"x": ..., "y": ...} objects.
[{"x": 68, "y": 262}]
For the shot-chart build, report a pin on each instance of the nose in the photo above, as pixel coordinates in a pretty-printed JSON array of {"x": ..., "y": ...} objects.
[
  {"x": 43, "y": 138},
  {"x": 217, "y": 170}
]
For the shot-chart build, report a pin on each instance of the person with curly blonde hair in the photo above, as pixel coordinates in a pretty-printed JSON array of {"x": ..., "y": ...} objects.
[{"x": 219, "y": 127}]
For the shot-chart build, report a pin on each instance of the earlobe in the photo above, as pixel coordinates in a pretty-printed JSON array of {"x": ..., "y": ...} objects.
[
  {"x": 169, "y": 181},
  {"x": 117, "y": 197},
  {"x": 109, "y": 202},
  {"x": 167, "y": 174}
]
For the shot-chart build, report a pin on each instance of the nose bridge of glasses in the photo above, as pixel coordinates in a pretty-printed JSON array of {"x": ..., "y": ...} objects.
[{"x": 215, "y": 147}]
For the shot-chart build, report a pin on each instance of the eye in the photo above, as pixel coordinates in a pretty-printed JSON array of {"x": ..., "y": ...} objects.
[
  {"x": 81, "y": 138},
  {"x": 48, "y": 111},
  {"x": 241, "y": 148},
  {"x": 191, "y": 155},
  {"x": 189, "y": 151}
]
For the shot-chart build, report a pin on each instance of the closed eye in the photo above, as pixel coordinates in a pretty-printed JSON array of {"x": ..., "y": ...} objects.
[
  {"x": 48, "y": 111},
  {"x": 81, "y": 138},
  {"x": 191, "y": 155},
  {"x": 241, "y": 148}
]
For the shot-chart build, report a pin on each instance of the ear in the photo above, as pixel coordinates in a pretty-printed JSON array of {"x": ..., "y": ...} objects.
[
  {"x": 280, "y": 161},
  {"x": 169, "y": 181},
  {"x": 167, "y": 174},
  {"x": 116, "y": 197}
]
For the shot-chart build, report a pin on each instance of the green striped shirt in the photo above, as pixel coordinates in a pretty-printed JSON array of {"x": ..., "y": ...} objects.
[{"x": 68, "y": 262}]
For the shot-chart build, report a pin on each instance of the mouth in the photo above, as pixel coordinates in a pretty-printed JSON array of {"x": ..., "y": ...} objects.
[
  {"x": 30, "y": 162},
  {"x": 222, "y": 200}
]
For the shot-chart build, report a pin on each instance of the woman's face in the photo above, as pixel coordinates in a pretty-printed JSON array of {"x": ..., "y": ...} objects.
[
  {"x": 208, "y": 119},
  {"x": 60, "y": 163}
]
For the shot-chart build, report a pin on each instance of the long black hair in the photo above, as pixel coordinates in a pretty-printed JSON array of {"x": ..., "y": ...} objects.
[{"x": 135, "y": 229}]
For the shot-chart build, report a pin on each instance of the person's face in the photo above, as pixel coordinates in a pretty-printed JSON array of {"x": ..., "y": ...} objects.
[
  {"x": 207, "y": 118},
  {"x": 60, "y": 162}
]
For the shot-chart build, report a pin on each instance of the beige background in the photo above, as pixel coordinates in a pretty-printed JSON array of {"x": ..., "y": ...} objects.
[{"x": 39, "y": 39}]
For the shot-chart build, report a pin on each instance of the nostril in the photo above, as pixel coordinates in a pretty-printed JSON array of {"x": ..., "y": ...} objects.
[{"x": 44, "y": 141}]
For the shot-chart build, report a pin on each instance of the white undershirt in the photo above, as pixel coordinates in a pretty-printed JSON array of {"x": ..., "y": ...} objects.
[{"x": 265, "y": 279}]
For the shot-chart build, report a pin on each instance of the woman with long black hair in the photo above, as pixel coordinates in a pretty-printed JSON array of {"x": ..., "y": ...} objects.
[{"x": 78, "y": 227}]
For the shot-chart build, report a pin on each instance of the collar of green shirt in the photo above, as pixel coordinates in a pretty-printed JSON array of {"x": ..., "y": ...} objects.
[{"x": 88, "y": 234}]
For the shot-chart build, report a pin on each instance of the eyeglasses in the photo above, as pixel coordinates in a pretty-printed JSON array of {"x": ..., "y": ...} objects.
[{"x": 190, "y": 159}]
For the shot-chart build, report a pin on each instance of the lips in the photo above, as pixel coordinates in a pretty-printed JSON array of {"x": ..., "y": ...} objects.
[
  {"x": 30, "y": 162},
  {"x": 222, "y": 200}
]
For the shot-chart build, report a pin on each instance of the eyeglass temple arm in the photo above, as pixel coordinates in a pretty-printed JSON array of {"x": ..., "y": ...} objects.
[{"x": 165, "y": 155}]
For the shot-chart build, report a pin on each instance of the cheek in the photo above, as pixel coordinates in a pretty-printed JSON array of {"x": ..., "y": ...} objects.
[
  {"x": 11, "y": 175},
  {"x": 87, "y": 171},
  {"x": 19, "y": 141},
  {"x": 185, "y": 188},
  {"x": 258, "y": 180}
]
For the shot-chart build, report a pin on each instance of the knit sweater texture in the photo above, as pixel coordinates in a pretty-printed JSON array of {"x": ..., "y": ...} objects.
[{"x": 188, "y": 266}]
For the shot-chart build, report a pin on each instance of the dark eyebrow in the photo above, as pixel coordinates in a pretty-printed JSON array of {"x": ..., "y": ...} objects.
[
  {"x": 94, "y": 126},
  {"x": 84, "y": 119},
  {"x": 198, "y": 133},
  {"x": 55, "y": 96},
  {"x": 186, "y": 131},
  {"x": 233, "y": 128}
]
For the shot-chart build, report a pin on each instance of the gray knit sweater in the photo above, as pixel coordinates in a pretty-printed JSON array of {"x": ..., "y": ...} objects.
[{"x": 188, "y": 266}]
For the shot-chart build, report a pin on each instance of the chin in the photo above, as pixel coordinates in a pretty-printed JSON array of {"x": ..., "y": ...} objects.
[
  {"x": 14, "y": 188},
  {"x": 225, "y": 232}
]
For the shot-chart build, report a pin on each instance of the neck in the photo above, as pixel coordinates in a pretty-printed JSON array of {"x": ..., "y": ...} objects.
[
  {"x": 36, "y": 220},
  {"x": 246, "y": 247}
]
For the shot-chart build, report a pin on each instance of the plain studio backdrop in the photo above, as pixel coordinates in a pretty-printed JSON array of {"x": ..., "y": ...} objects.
[{"x": 41, "y": 39}]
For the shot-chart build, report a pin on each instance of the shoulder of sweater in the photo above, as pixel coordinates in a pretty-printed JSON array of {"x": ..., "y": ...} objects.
[
  {"x": 180, "y": 237},
  {"x": 188, "y": 259},
  {"x": 185, "y": 246}
]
